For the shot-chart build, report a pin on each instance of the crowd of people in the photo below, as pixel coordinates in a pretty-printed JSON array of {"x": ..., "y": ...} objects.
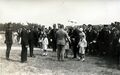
[{"x": 80, "y": 40}]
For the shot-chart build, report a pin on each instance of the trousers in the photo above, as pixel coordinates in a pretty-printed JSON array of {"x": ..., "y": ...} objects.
[
  {"x": 8, "y": 50},
  {"x": 60, "y": 52},
  {"x": 31, "y": 47},
  {"x": 24, "y": 53}
]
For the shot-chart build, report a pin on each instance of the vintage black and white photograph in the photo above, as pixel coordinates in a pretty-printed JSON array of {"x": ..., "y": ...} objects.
[{"x": 59, "y": 37}]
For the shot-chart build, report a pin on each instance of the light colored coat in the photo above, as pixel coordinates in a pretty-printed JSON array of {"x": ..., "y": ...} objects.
[
  {"x": 82, "y": 44},
  {"x": 61, "y": 37},
  {"x": 45, "y": 43}
]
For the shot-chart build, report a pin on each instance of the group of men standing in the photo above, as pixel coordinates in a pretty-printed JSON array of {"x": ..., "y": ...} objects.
[{"x": 27, "y": 39}]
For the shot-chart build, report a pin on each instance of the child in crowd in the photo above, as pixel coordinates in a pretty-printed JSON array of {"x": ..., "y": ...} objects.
[
  {"x": 82, "y": 44},
  {"x": 45, "y": 45},
  {"x": 67, "y": 48}
]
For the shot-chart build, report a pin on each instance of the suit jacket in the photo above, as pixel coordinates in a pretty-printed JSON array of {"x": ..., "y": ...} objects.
[
  {"x": 61, "y": 36},
  {"x": 31, "y": 39},
  {"x": 8, "y": 36},
  {"x": 24, "y": 37},
  {"x": 104, "y": 36},
  {"x": 76, "y": 37},
  {"x": 91, "y": 35},
  {"x": 53, "y": 34}
]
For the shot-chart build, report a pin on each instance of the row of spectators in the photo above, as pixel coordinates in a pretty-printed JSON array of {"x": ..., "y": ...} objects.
[{"x": 101, "y": 40}]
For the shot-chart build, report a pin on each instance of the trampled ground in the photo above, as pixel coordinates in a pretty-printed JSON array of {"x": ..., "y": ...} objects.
[{"x": 48, "y": 65}]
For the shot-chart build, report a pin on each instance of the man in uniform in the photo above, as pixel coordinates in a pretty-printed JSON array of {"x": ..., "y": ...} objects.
[{"x": 8, "y": 40}]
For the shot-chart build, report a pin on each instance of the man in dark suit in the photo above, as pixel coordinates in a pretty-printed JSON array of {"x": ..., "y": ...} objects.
[
  {"x": 31, "y": 41},
  {"x": 118, "y": 49},
  {"x": 61, "y": 36},
  {"x": 91, "y": 36},
  {"x": 75, "y": 39},
  {"x": 104, "y": 41},
  {"x": 53, "y": 37},
  {"x": 24, "y": 43},
  {"x": 8, "y": 40},
  {"x": 36, "y": 36}
]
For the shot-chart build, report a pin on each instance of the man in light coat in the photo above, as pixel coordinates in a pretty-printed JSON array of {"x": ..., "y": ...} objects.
[{"x": 61, "y": 36}]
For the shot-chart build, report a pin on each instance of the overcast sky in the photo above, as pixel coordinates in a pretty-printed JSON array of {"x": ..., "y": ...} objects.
[{"x": 48, "y": 12}]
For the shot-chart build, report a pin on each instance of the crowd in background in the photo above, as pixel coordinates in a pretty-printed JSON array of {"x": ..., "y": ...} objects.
[{"x": 99, "y": 40}]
